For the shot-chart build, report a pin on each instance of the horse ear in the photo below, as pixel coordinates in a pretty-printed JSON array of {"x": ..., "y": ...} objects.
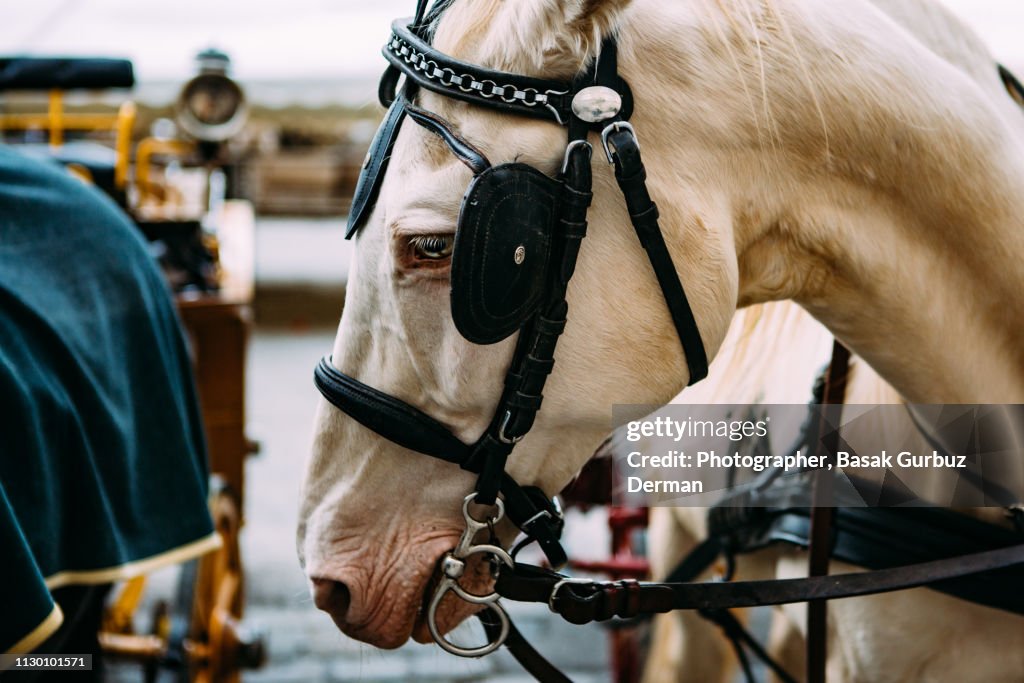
[
  {"x": 593, "y": 19},
  {"x": 578, "y": 27}
]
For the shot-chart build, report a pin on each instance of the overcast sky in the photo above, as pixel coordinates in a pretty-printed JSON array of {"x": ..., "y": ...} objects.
[{"x": 271, "y": 39}]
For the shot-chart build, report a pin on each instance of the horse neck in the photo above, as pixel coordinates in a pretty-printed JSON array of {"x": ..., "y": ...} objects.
[
  {"x": 881, "y": 189},
  {"x": 926, "y": 287}
]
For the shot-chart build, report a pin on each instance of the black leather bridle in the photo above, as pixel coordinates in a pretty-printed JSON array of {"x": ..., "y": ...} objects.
[{"x": 410, "y": 53}]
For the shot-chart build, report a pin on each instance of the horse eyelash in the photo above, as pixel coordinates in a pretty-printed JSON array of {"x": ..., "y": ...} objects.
[{"x": 436, "y": 244}]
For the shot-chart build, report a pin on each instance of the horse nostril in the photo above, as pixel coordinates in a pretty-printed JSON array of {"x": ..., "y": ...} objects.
[{"x": 332, "y": 597}]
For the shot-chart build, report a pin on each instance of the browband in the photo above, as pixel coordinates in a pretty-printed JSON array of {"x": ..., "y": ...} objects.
[{"x": 437, "y": 72}]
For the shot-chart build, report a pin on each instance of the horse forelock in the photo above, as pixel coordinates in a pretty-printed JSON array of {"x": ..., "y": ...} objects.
[{"x": 543, "y": 38}]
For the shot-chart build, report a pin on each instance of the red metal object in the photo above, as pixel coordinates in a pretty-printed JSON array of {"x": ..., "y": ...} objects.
[
  {"x": 617, "y": 568},
  {"x": 594, "y": 487}
]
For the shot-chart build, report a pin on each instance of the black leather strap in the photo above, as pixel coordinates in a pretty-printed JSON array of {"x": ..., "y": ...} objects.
[
  {"x": 697, "y": 561},
  {"x": 375, "y": 166},
  {"x": 632, "y": 178},
  {"x": 387, "y": 88},
  {"x": 1012, "y": 83},
  {"x": 536, "y": 515},
  {"x": 466, "y": 152},
  {"x": 740, "y": 638},
  {"x": 822, "y": 513},
  {"x": 392, "y": 418},
  {"x": 582, "y": 603},
  {"x": 534, "y": 356},
  {"x": 431, "y": 69},
  {"x": 532, "y": 661}
]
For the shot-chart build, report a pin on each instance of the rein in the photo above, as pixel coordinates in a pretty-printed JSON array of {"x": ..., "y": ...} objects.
[{"x": 539, "y": 259}]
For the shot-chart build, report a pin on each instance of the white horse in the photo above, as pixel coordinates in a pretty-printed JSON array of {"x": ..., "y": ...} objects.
[
  {"x": 771, "y": 356},
  {"x": 862, "y": 160}
]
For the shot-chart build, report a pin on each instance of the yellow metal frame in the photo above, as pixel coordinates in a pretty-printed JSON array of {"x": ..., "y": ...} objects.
[
  {"x": 146, "y": 150},
  {"x": 57, "y": 122}
]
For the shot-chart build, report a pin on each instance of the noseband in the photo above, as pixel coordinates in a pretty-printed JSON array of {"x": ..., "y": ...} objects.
[{"x": 519, "y": 234}]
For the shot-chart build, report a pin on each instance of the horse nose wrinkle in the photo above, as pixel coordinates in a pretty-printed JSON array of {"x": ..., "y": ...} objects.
[{"x": 332, "y": 597}]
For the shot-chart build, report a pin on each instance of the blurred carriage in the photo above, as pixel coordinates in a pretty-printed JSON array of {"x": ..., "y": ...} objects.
[{"x": 178, "y": 184}]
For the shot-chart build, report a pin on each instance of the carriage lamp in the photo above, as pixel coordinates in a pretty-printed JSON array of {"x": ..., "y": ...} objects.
[{"x": 212, "y": 106}]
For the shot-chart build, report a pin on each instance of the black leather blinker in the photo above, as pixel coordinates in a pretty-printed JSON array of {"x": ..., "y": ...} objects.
[
  {"x": 375, "y": 166},
  {"x": 502, "y": 251}
]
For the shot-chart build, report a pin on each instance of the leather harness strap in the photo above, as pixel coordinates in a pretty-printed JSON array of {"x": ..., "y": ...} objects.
[
  {"x": 632, "y": 178},
  {"x": 581, "y": 601},
  {"x": 519, "y": 647},
  {"x": 466, "y": 152},
  {"x": 823, "y": 512}
]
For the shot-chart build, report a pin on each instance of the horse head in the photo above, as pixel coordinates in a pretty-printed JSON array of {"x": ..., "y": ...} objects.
[
  {"x": 376, "y": 516},
  {"x": 787, "y": 164}
]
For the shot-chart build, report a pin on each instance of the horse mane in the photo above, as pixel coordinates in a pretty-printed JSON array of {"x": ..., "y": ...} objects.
[
  {"x": 940, "y": 30},
  {"x": 558, "y": 38}
]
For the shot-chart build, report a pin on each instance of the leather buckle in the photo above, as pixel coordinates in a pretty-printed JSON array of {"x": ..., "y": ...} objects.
[
  {"x": 563, "y": 582},
  {"x": 570, "y": 149},
  {"x": 615, "y": 128},
  {"x": 502, "y": 436}
]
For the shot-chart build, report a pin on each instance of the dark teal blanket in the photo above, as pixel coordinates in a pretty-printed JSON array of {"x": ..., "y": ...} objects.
[{"x": 102, "y": 458}]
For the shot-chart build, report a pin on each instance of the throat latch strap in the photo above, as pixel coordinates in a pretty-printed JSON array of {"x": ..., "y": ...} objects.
[{"x": 624, "y": 151}]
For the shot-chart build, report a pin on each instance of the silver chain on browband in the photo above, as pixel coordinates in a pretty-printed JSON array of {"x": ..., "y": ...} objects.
[
  {"x": 453, "y": 566},
  {"x": 510, "y": 94}
]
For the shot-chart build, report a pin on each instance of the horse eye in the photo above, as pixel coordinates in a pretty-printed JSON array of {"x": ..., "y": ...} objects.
[{"x": 433, "y": 247}]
